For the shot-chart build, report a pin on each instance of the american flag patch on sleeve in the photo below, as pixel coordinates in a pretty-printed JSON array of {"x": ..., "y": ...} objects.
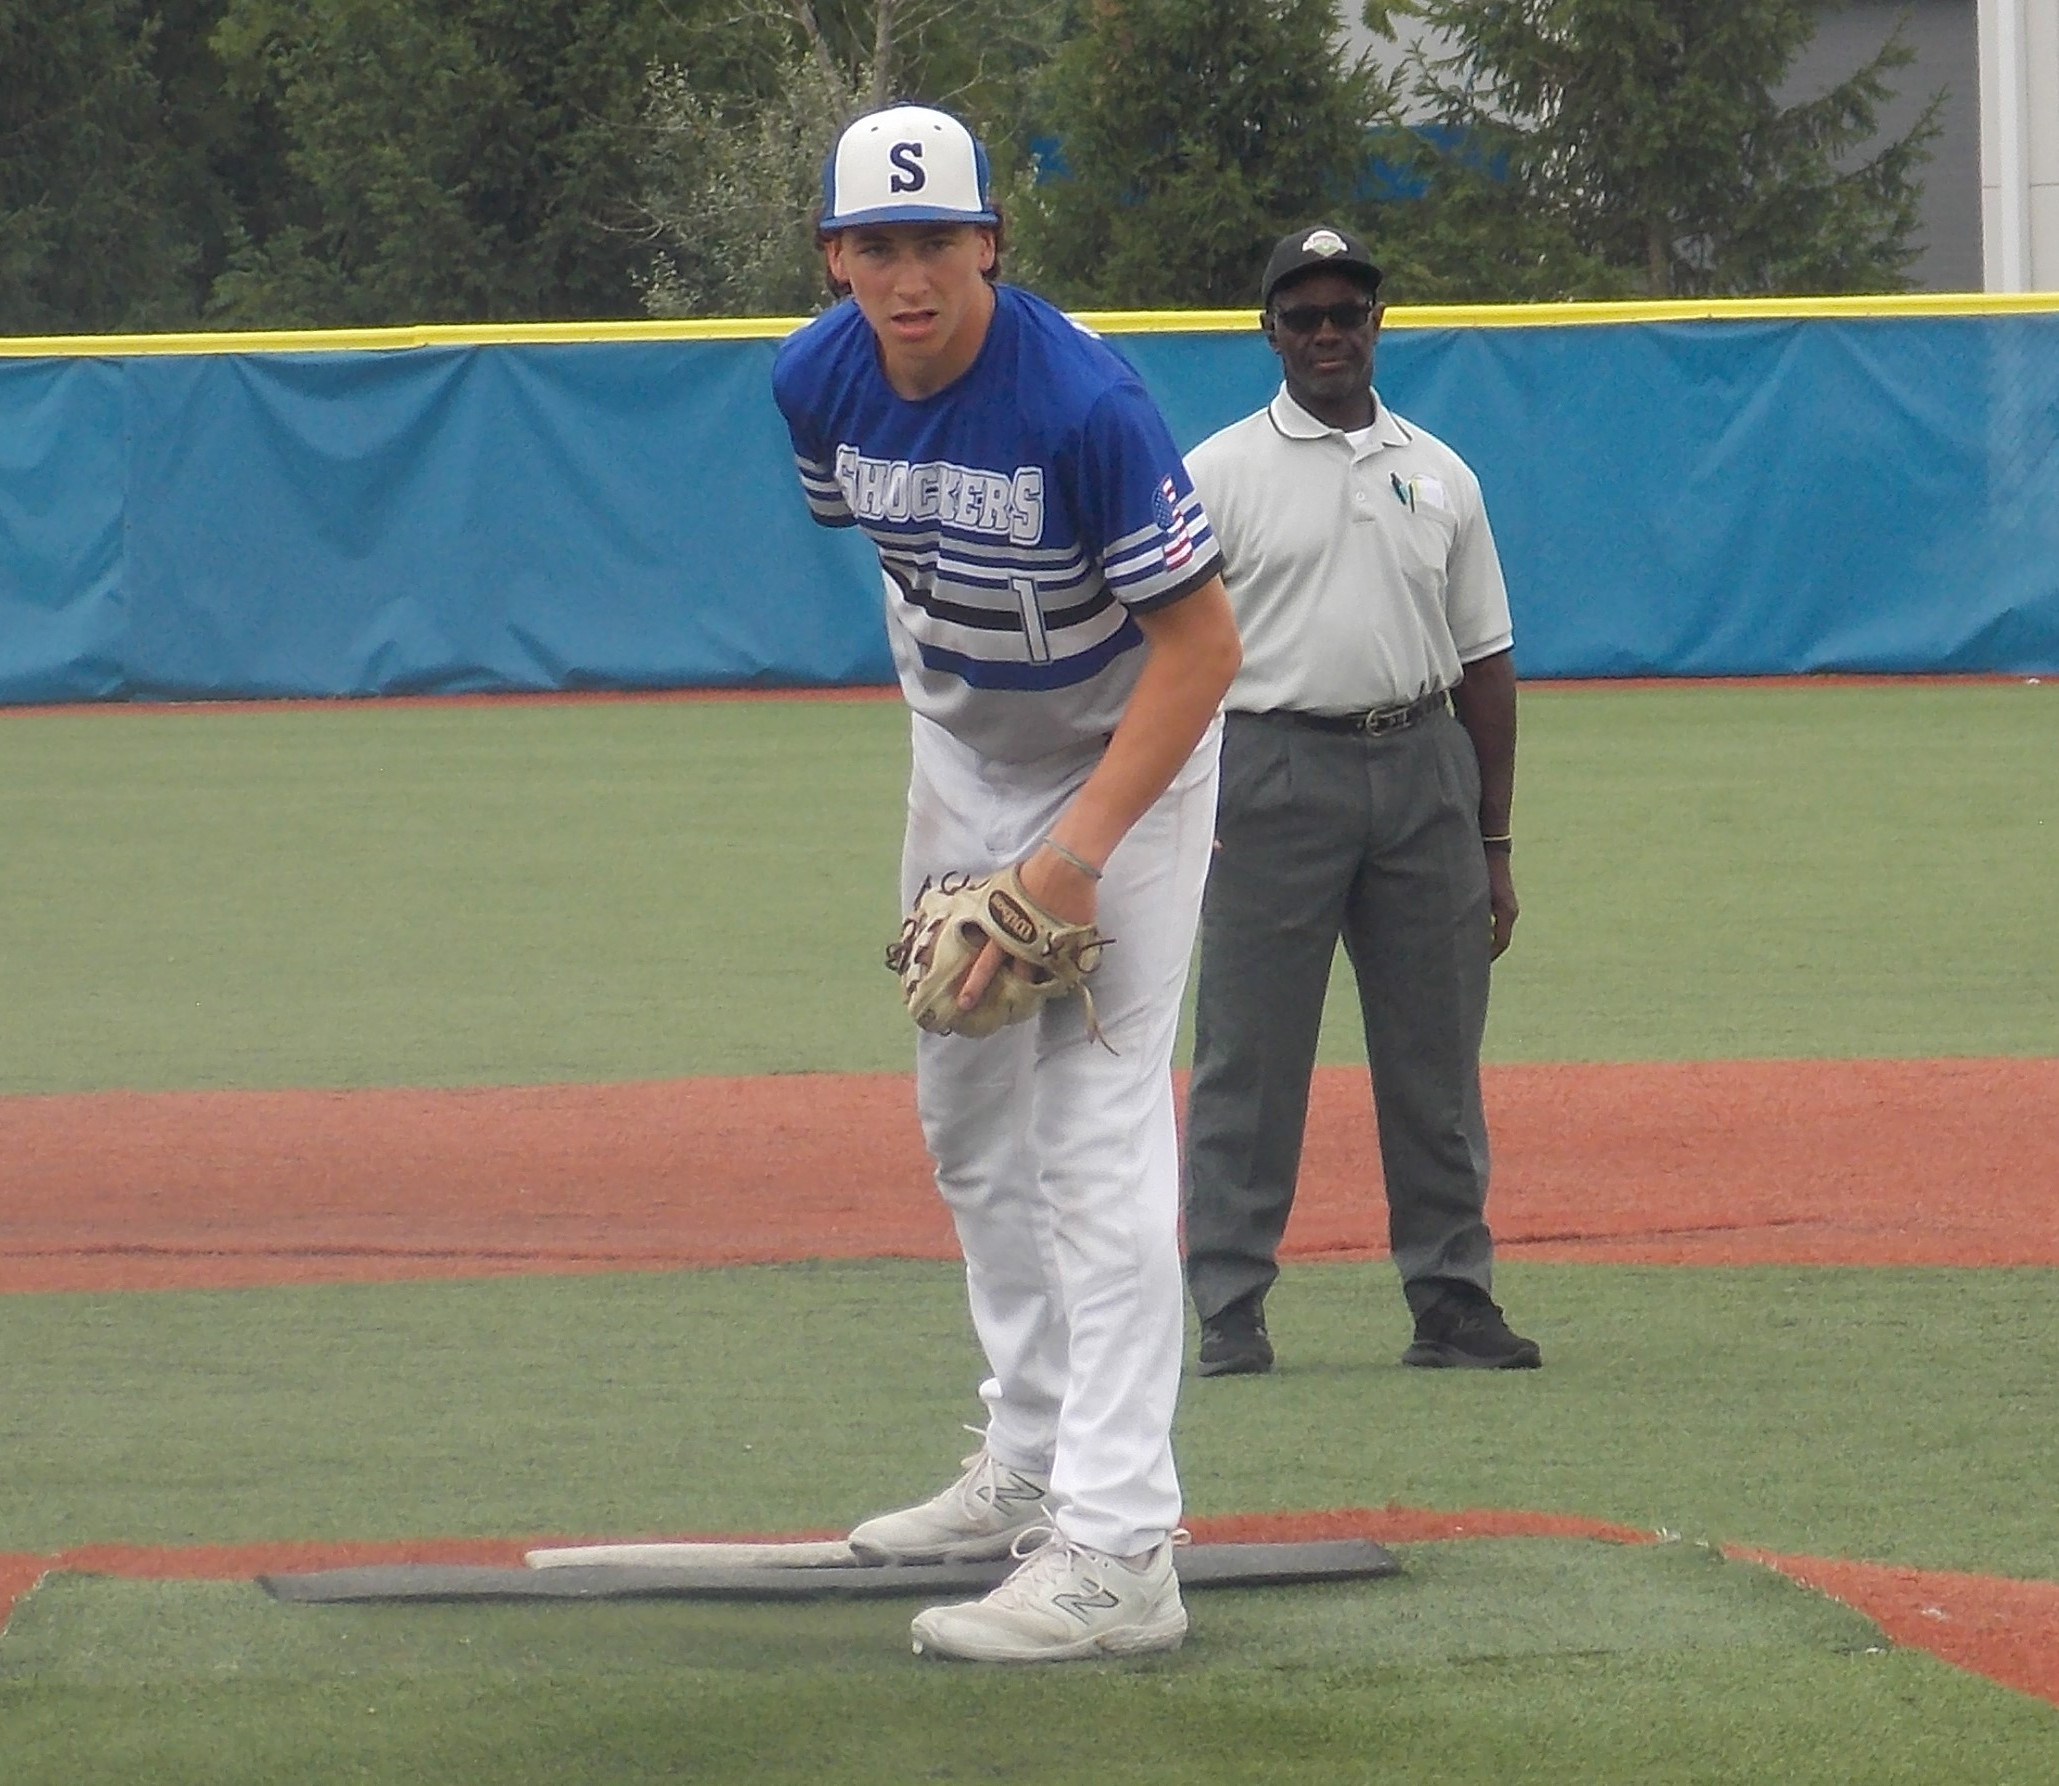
[{"x": 1177, "y": 546}]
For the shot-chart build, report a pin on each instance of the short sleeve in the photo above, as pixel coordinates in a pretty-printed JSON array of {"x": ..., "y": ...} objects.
[
  {"x": 1208, "y": 465},
  {"x": 817, "y": 470},
  {"x": 1476, "y": 599},
  {"x": 1138, "y": 510}
]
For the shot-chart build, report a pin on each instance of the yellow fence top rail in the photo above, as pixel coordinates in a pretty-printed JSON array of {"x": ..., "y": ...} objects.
[{"x": 1112, "y": 322}]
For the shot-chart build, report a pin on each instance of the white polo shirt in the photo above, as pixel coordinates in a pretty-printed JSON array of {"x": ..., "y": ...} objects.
[{"x": 1361, "y": 567}]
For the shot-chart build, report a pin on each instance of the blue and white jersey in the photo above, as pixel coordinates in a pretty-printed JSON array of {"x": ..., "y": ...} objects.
[{"x": 1022, "y": 515}]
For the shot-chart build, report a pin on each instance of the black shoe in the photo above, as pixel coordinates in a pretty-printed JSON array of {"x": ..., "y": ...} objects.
[
  {"x": 1233, "y": 1342},
  {"x": 1464, "y": 1330}
]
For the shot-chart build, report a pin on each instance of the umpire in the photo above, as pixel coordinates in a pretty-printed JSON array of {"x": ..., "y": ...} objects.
[{"x": 1367, "y": 769}]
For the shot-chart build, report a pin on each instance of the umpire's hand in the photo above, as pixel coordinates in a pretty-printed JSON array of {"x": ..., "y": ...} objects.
[{"x": 1501, "y": 901}]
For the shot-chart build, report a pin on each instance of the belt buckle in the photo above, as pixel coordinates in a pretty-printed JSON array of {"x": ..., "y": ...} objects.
[{"x": 1384, "y": 720}]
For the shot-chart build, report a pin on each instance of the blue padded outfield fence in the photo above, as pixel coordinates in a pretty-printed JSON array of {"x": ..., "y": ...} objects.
[{"x": 1743, "y": 488}]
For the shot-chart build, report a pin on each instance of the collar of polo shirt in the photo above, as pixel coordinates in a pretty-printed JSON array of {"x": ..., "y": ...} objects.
[{"x": 1297, "y": 424}]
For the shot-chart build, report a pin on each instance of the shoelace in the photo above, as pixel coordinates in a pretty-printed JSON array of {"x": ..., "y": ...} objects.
[
  {"x": 1046, "y": 1555},
  {"x": 1033, "y": 1538},
  {"x": 1045, "y": 1552},
  {"x": 976, "y": 1486},
  {"x": 979, "y": 1483}
]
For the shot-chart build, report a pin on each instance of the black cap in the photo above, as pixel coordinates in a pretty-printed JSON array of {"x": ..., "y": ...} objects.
[{"x": 1318, "y": 248}]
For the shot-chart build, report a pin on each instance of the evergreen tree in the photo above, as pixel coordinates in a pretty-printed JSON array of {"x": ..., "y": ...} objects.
[
  {"x": 93, "y": 234},
  {"x": 222, "y": 161},
  {"x": 445, "y": 160},
  {"x": 1193, "y": 133},
  {"x": 1605, "y": 146}
]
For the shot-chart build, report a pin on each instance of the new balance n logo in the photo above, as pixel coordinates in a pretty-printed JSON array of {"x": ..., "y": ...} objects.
[
  {"x": 1016, "y": 1490},
  {"x": 1082, "y": 1605}
]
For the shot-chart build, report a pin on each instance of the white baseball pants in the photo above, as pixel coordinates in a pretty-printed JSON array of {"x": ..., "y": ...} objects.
[{"x": 1059, "y": 1161}]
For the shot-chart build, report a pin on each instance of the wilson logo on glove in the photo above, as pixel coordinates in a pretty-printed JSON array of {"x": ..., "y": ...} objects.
[
  {"x": 954, "y": 919},
  {"x": 1011, "y": 919}
]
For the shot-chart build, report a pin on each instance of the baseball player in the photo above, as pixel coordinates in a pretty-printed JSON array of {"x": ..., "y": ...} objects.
[{"x": 1063, "y": 639}]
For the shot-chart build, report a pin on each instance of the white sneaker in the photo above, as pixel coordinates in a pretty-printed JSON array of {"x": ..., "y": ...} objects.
[
  {"x": 1065, "y": 1601},
  {"x": 978, "y": 1518}
]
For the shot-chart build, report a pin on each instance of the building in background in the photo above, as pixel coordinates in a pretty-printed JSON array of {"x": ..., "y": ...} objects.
[
  {"x": 1946, "y": 38},
  {"x": 2019, "y": 143}
]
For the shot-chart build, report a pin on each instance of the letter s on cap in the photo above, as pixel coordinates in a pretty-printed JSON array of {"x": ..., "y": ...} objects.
[{"x": 907, "y": 159}]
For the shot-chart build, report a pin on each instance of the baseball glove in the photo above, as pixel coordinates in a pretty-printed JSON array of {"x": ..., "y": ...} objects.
[{"x": 954, "y": 919}]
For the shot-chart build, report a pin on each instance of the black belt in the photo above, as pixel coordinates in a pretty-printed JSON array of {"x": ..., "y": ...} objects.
[{"x": 1374, "y": 724}]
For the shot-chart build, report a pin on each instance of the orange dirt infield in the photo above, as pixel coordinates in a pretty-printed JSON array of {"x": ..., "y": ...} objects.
[
  {"x": 1705, "y": 1163},
  {"x": 2006, "y": 1630}
]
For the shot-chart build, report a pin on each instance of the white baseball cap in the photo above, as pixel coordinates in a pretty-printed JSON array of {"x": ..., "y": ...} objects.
[{"x": 907, "y": 164}]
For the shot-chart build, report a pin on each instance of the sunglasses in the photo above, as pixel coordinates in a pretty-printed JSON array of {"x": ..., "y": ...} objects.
[{"x": 1305, "y": 319}]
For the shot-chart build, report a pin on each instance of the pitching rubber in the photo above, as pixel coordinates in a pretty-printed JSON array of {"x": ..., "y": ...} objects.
[{"x": 705, "y": 1572}]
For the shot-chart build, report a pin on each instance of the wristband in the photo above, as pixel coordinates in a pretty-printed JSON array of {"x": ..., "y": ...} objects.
[
  {"x": 1498, "y": 846},
  {"x": 1066, "y": 856}
]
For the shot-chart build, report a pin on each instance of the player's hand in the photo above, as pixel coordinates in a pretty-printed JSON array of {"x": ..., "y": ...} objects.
[
  {"x": 1501, "y": 901},
  {"x": 1055, "y": 885}
]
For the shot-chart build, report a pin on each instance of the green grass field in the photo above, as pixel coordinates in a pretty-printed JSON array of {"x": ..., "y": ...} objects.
[
  {"x": 518, "y": 894},
  {"x": 1901, "y": 1416},
  {"x": 425, "y": 895},
  {"x": 1598, "y": 1663}
]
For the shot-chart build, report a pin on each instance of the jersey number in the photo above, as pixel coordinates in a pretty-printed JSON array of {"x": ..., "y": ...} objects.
[
  {"x": 907, "y": 160},
  {"x": 1032, "y": 619}
]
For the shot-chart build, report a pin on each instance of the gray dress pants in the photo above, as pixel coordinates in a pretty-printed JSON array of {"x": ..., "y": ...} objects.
[{"x": 1377, "y": 840}]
